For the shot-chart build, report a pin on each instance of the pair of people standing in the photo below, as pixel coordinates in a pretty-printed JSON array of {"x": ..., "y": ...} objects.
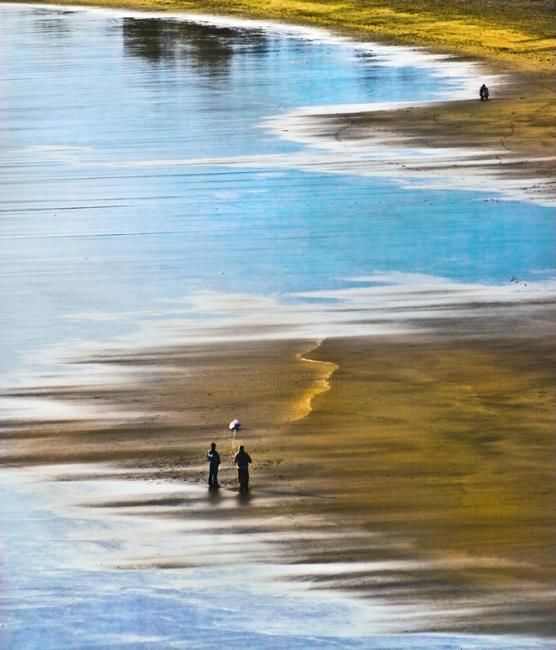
[{"x": 242, "y": 460}]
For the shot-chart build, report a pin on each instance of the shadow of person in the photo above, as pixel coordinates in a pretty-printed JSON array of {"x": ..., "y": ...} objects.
[
  {"x": 214, "y": 496},
  {"x": 244, "y": 498}
]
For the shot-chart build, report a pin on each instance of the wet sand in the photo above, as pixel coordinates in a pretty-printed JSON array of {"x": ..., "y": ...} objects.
[
  {"x": 158, "y": 406},
  {"x": 506, "y": 143},
  {"x": 415, "y": 469},
  {"x": 449, "y": 448}
]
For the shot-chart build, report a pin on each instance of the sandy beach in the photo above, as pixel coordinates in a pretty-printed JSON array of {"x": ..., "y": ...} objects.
[
  {"x": 433, "y": 454},
  {"x": 505, "y": 144}
]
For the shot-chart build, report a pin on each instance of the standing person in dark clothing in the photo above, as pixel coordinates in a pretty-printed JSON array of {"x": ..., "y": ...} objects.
[
  {"x": 483, "y": 93},
  {"x": 242, "y": 461},
  {"x": 213, "y": 458}
]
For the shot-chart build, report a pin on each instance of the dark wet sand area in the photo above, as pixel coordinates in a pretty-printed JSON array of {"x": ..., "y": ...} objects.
[
  {"x": 512, "y": 136},
  {"x": 449, "y": 448},
  {"x": 164, "y": 405},
  {"x": 425, "y": 474}
]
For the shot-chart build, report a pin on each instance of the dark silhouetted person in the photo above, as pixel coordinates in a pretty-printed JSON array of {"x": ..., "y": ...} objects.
[
  {"x": 242, "y": 461},
  {"x": 213, "y": 458},
  {"x": 483, "y": 93}
]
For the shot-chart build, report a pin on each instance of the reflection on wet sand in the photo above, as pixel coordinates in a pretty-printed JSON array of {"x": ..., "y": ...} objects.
[
  {"x": 409, "y": 471},
  {"x": 423, "y": 475},
  {"x": 449, "y": 447}
]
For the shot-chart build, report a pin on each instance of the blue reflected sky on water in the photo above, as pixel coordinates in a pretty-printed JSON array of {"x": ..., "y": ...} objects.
[
  {"x": 175, "y": 87},
  {"x": 84, "y": 90}
]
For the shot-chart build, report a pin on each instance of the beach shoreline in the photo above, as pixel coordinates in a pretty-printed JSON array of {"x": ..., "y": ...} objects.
[
  {"x": 507, "y": 142},
  {"x": 426, "y": 447},
  {"x": 505, "y": 145},
  {"x": 494, "y": 34},
  {"x": 432, "y": 453}
]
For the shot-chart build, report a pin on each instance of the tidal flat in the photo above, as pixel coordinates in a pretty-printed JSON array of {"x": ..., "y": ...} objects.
[
  {"x": 415, "y": 472},
  {"x": 513, "y": 38},
  {"x": 383, "y": 335}
]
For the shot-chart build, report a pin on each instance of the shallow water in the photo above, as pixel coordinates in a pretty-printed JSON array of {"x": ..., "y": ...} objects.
[
  {"x": 69, "y": 579},
  {"x": 137, "y": 170}
]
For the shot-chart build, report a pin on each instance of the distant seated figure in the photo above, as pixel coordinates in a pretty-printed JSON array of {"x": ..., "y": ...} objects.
[
  {"x": 483, "y": 93},
  {"x": 213, "y": 458},
  {"x": 242, "y": 461},
  {"x": 235, "y": 425}
]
